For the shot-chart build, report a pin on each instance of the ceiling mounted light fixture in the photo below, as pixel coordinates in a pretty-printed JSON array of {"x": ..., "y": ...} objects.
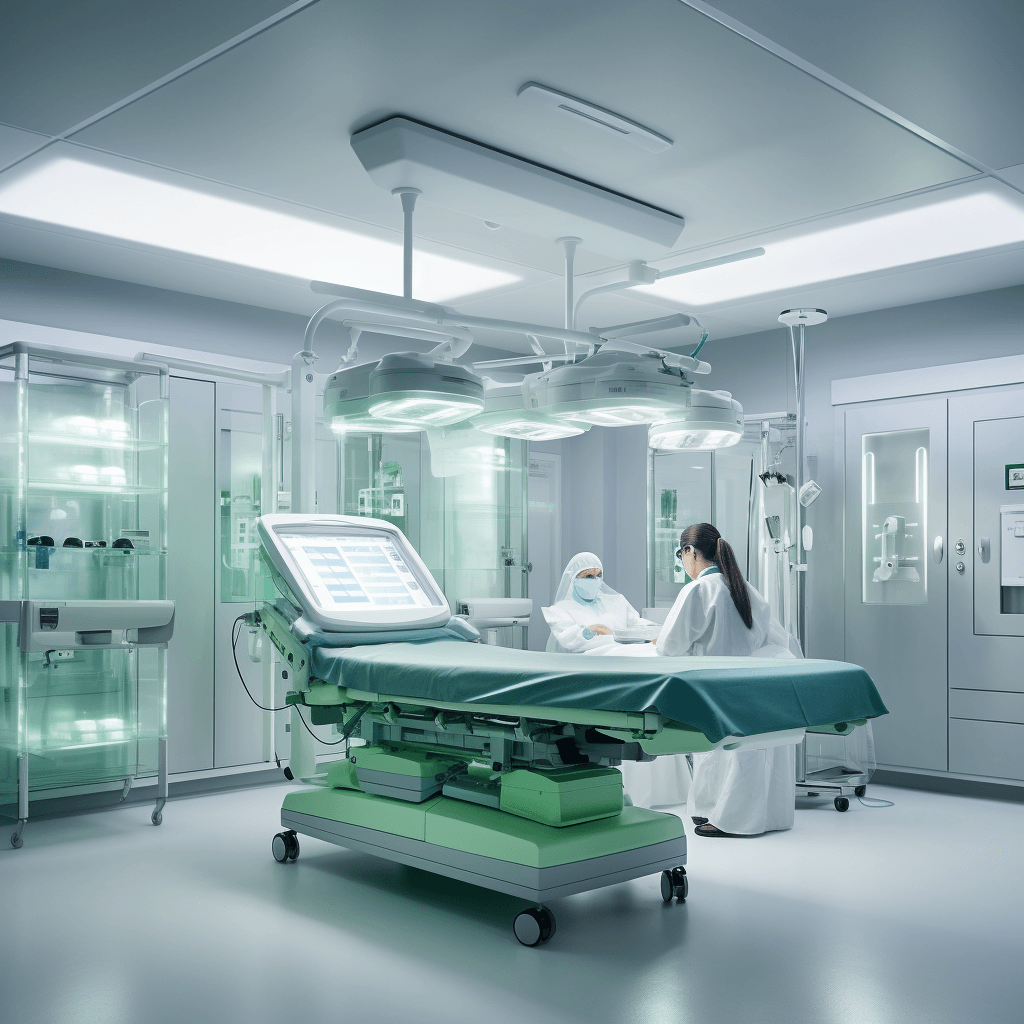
[
  {"x": 954, "y": 221},
  {"x": 597, "y": 117},
  {"x": 486, "y": 183},
  {"x": 505, "y": 415},
  {"x": 117, "y": 199},
  {"x": 407, "y": 387},
  {"x": 715, "y": 420},
  {"x": 347, "y": 404},
  {"x": 611, "y": 389}
]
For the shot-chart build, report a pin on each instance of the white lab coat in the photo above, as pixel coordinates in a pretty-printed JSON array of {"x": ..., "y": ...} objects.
[
  {"x": 745, "y": 792},
  {"x": 568, "y": 618}
]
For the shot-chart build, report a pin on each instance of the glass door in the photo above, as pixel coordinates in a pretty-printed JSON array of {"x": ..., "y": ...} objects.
[{"x": 896, "y": 572}]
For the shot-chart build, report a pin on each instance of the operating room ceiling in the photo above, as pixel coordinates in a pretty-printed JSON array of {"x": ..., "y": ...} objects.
[{"x": 782, "y": 120}]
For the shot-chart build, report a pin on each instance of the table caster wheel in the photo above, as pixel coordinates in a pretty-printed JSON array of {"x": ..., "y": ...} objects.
[
  {"x": 534, "y": 926},
  {"x": 674, "y": 884},
  {"x": 285, "y": 846},
  {"x": 682, "y": 884},
  {"x": 156, "y": 817},
  {"x": 16, "y": 841},
  {"x": 860, "y": 790},
  {"x": 842, "y": 803},
  {"x": 668, "y": 888}
]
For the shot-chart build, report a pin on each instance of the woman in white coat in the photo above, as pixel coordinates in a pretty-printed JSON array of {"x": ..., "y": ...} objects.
[
  {"x": 587, "y": 611},
  {"x": 734, "y": 792}
]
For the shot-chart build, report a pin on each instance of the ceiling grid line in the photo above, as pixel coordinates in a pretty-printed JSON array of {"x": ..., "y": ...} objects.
[
  {"x": 171, "y": 76},
  {"x": 847, "y": 90}
]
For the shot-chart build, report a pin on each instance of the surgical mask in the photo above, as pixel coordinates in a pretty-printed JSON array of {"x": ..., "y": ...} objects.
[{"x": 587, "y": 588}]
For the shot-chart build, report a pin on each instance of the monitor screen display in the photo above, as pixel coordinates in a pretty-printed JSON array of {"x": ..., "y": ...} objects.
[{"x": 356, "y": 571}]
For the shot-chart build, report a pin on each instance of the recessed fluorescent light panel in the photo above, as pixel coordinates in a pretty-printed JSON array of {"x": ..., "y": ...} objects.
[
  {"x": 89, "y": 197},
  {"x": 936, "y": 226}
]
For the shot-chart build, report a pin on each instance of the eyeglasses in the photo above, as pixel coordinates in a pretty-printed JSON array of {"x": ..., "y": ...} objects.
[{"x": 681, "y": 551}]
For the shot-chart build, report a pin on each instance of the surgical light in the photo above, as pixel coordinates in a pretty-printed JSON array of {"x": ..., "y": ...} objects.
[
  {"x": 506, "y": 415},
  {"x": 407, "y": 387},
  {"x": 168, "y": 211},
  {"x": 347, "y": 404},
  {"x": 611, "y": 389},
  {"x": 935, "y": 226},
  {"x": 714, "y": 420}
]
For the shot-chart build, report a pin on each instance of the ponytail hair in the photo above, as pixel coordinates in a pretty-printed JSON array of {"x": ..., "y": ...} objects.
[{"x": 713, "y": 547}]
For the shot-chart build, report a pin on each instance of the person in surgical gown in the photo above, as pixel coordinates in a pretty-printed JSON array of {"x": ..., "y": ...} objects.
[
  {"x": 734, "y": 792},
  {"x": 583, "y": 619},
  {"x": 587, "y": 611}
]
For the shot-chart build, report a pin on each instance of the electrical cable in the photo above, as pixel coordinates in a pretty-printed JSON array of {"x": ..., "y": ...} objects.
[
  {"x": 876, "y": 801},
  {"x": 349, "y": 727},
  {"x": 234, "y": 657},
  {"x": 327, "y": 743}
]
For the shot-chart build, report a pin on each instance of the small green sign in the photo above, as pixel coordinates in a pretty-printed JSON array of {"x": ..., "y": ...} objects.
[{"x": 1015, "y": 477}]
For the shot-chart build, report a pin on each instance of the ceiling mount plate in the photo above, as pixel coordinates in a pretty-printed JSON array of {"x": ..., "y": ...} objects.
[
  {"x": 597, "y": 117},
  {"x": 805, "y": 317},
  {"x": 473, "y": 179}
]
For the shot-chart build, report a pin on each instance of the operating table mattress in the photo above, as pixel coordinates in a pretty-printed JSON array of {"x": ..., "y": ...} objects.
[{"x": 719, "y": 696}]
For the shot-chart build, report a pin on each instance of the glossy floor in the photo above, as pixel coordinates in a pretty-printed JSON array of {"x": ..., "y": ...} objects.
[{"x": 908, "y": 914}]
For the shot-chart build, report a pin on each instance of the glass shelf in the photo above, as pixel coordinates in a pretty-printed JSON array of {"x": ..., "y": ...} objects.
[
  {"x": 71, "y": 487},
  {"x": 84, "y": 441},
  {"x": 82, "y": 552}
]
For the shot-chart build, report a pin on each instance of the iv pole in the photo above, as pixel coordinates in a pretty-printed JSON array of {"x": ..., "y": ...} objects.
[{"x": 801, "y": 318}]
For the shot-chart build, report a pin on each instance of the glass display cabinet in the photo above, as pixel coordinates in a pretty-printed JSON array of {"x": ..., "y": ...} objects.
[{"x": 83, "y": 518}]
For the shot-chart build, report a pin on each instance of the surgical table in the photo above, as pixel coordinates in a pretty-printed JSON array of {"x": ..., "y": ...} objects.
[{"x": 490, "y": 765}]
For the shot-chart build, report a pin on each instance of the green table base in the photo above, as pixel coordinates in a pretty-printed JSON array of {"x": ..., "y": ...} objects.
[{"x": 470, "y": 828}]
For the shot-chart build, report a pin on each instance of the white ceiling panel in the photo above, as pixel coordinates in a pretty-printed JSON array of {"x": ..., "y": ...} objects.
[
  {"x": 955, "y": 69},
  {"x": 758, "y": 143},
  {"x": 62, "y": 61}
]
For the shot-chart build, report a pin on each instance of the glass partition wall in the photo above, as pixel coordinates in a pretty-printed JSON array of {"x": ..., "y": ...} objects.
[
  {"x": 83, "y": 516},
  {"x": 684, "y": 488},
  {"x": 459, "y": 495}
]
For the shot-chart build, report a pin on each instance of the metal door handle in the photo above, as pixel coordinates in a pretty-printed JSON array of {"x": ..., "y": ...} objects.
[
  {"x": 937, "y": 549},
  {"x": 984, "y": 548}
]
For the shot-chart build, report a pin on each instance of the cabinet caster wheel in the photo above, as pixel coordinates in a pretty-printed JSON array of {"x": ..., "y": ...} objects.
[
  {"x": 156, "y": 817},
  {"x": 860, "y": 790},
  {"x": 842, "y": 803},
  {"x": 285, "y": 846},
  {"x": 533, "y": 927},
  {"x": 16, "y": 841}
]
